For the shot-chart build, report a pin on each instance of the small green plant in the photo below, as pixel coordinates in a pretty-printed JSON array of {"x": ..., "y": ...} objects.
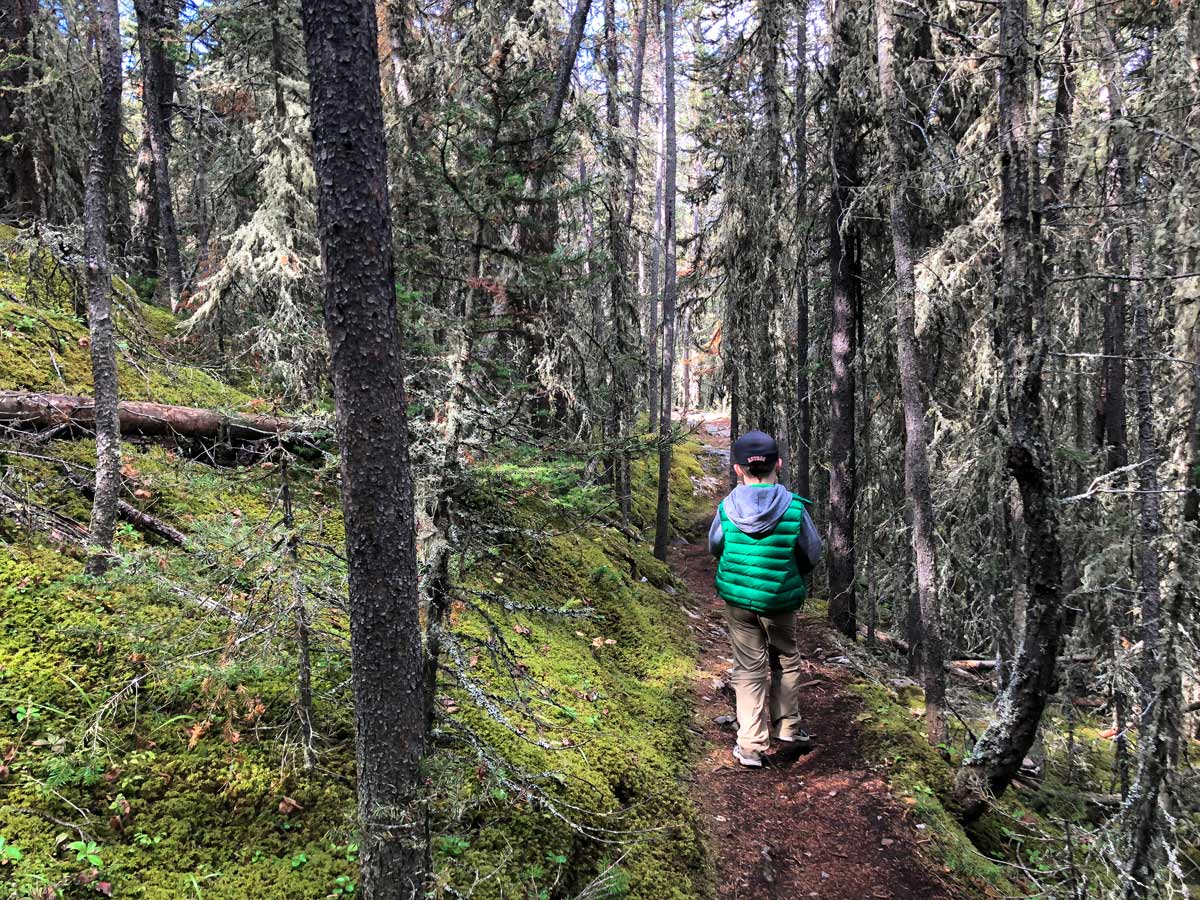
[
  {"x": 299, "y": 860},
  {"x": 27, "y": 713},
  {"x": 343, "y": 886},
  {"x": 352, "y": 852},
  {"x": 144, "y": 840},
  {"x": 87, "y": 851},
  {"x": 259, "y": 856},
  {"x": 453, "y": 845},
  {"x": 9, "y": 853}
]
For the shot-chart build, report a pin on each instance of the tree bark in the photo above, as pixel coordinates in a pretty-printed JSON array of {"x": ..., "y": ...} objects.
[
  {"x": 916, "y": 462},
  {"x": 662, "y": 529},
  {"x": 620, "y": 412},
  {"x": 22, "y": 197},
  {"x": 1112, "y": 428},
  {"x": 304, "y": 696},
  {"x": 145, "y": 211},
  {"x": 146, "y": 214},
  {"x": 1147, "y": 817},
  {"x": 843, "y": 276},
  {"x": 350, "y": 161},
  {"x": 653, "y": 363},
  {"x": 755, "y": 302},
  {"x": 635, "y": 115},
  {"x": 152, "y": 24},
  {"x": 99, "y": 286},
  {"x": 997, "y": 756},
  {"x": 802, "y": 429},
  {"x": 533, "y": 316},
  {"x": 1149, "y": 513}
]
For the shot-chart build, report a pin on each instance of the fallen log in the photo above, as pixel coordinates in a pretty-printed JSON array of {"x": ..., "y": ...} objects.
[
  {"x": 62, "y": 528},
  {"x": 25, "y": 411},
  {"x": 967, "y": 665},
  {"x": 127, "y": 512},
  {"x": 976, "y": 681},
  {"x": 888, "y": 640},
  {"x": 147, "y": 523},
  {"x": 34, "y": 517},
  {"x": 987, "y": 665}
]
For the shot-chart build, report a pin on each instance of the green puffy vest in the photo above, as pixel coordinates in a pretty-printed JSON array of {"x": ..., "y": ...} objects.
[{"x": 759, "y": 572}]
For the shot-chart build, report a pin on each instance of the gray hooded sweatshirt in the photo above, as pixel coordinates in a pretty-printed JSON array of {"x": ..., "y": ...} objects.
[{"x": 756, "y": 509}]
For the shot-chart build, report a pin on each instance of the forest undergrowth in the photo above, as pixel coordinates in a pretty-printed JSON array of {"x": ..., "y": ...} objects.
[{"x": 151, "y": 738}]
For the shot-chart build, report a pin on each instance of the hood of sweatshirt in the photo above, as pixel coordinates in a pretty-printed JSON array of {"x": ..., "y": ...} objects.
[{"x": 755, "y": 508}]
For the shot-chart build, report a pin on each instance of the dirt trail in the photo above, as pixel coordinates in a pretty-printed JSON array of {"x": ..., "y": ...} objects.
[{"x": 819, "y": 824}]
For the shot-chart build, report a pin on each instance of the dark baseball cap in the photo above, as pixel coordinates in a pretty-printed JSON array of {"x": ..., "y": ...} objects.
[{"x": 755, "y": 447}]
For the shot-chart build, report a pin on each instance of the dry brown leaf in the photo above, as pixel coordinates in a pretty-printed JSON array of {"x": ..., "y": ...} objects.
[{"x": 196, "y": 732}]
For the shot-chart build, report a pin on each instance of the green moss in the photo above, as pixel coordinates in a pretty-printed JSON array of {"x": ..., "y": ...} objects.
[
  {"x": 199, "y": 741},
  {"x": 44, "y": 342},
  {"x": 687, "y": 504},
  {"x": 923, "y": 780},
  {"x": 203, "y": 776},
  {"x": 615, "y": 708}
]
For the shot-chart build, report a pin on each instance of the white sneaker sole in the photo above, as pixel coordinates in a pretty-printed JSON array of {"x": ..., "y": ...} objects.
[
  {"x": 807, "y": 739},
  {"x": 747, "y": 761}
]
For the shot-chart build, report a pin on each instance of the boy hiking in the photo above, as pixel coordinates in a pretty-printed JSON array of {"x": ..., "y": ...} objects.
[{"x": 765, "y": 543}]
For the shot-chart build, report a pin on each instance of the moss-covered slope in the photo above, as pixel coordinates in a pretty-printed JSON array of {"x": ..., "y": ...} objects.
[
  {"x": 148, "y": 722},
  {"x": 44, "y": 339}
]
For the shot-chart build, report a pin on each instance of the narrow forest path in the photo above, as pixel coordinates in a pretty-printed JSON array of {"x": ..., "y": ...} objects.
[{"x": 819, "y": 824}]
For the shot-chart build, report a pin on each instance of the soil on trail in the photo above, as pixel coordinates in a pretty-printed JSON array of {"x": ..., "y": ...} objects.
[{"x": 816, "y": 824}]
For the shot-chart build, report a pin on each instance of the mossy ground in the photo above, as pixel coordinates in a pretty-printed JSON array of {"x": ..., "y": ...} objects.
[
  {"x": 923, "y": 780},
  {"x": 201, "y": 747},
  {"x": 1044, "y": 832},
  {"x": 44, "y": 339},
  {"x": 154, "y": 709}
]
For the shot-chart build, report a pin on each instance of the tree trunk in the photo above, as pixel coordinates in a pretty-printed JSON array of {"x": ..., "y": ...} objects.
[
  {"x": 151, "y": 27},
  {"x": 1149, "y": 513},
  {"x": 145, "y": 212},
  {"x": 635, "y": 115},
  {"x": 997, "y": 756},
  {"x": 532, "y": 314},
  {"x": 662, "y": 530},
  {"x": 22, "y": 198},
  {"x": 843, "y": 275},
  {"x": 654, "y": 373},
  {"x": 802, "y": 429},
  {"x": 350, "y": 161},
  {"x": 99, "y": 286},
  {"x": 1147, "y": 819},
  {"x": 760, "y": 311},
  {"x": 146, "y": 215},
  {"x": 304, "y": 697},
  {"x": 622, "y": 314},
  {"x": 916, "y": 462},
  {"x": 1112, "y": 430}
]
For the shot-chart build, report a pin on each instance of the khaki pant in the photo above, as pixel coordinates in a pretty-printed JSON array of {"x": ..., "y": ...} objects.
[{"x": 765, "y": 676}]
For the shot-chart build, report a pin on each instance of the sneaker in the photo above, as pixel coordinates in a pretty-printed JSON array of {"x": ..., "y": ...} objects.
[
  {"x": 750, "y": 758},
  {"x": 799, "y": 737}
]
